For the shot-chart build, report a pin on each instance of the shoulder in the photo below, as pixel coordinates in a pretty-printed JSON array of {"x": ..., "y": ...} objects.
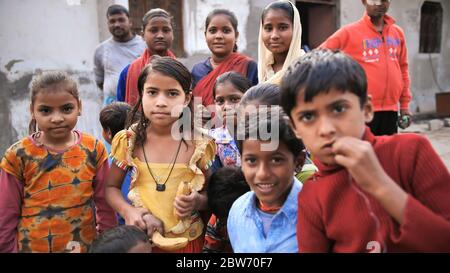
[
  {"x": 241, "y": 204},
  {"x": 103, "y": 45},
  {"x": 90, "y": 141}
]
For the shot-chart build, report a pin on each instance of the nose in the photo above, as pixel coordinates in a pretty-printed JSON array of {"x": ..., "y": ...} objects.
[
  {"x": 274, "y": 35},
  {"x": 326, "y": 127},
  {"x": 57, "y": 118},
  {"x": 161, "y": 101},
  {"x": 159, "y": 35},
  {"x": 263, "y": 173}
]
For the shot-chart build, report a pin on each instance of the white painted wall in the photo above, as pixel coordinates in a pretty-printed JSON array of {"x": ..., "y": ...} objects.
[
  {"x": 47, "y": 35},
  {"x": 195, "y": 13}
]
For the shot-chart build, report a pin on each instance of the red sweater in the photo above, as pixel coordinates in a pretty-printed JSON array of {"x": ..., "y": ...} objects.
[
  {"x": 383, "y": 56},
  {"x": 334, "y": 214}
]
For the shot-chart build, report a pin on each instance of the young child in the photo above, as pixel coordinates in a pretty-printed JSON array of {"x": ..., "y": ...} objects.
[
  {"x": 50, "y": 180},
  {"x": 264, "y": 220},
  {"x": 228, "y": 91},
  {"x": 268, "y": 94},
  {"x": 157, "y": 27},
  {"x": 160, "y": 162},
  {"x": 224, "y": 187},
  {"x": 221, "y": 33},
  {"x": 372, "y": 193},
  {"x": 113, "y": 118},
  {"x": 122, "y": 239},
  {"x": 280, "y": 40}
]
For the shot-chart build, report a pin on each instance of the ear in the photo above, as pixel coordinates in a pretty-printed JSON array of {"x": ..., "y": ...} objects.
[
  {"x": 237, "y": 35},
  {"x": 300, "y": 160},
  {"x": 187, "y": 99},
  {"x": 368, "y": 110},
  {"x": 292, "y": 125},
  {"x": 79, "y": 107},
  {"x": 31, "y": 111}
]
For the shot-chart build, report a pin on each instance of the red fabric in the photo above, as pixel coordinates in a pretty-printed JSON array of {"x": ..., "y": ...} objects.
[
  {"x": 204, "y": 88},
  {"x": 11, "y": 195},
  {"x": 333, "y": 216},
  {"x": 132, "y": 93},
  {"x": 384, "y": 58}
]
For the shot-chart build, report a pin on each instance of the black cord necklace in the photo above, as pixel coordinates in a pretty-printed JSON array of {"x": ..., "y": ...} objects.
[{"x": 161, "y": 187}]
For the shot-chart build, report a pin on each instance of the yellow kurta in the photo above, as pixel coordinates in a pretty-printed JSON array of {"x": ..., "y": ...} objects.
[{"x": 143, "y": 191}]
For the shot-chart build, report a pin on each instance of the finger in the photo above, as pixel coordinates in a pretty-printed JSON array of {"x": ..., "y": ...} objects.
[
  {"x": 141, "y": 224},
  {"x": 343, "y": 160}
]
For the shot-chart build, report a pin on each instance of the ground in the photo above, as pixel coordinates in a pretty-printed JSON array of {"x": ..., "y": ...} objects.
[{"x": 439, "y": 138}]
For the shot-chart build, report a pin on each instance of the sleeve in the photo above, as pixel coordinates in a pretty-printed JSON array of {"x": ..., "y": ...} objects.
[
  {"x": 11, "y": 163},
  {"x": 208, "y": 154},
  {"x": 426, "y": 225},
  {"x": 104, "y": 214},
  {"x": 336, "y": 41},
  {"x": 311, "y": 235},
  {"x": 405, "y": 96},
  {"x": 119, "y": 150},
  {"x": 11, "y": 195},
  {"x": 252, "y": 72},
  {"x": 98, "y": 66},
  {"x": 122, "y": 84}
]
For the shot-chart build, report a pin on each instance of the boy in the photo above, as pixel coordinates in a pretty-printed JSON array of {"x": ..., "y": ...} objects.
[
  {"x": 224, "y": 187},
  {"x": 372, "y": 193},
  {"x": 113, "y": 118},
  {"x": 122, "y": 239}
]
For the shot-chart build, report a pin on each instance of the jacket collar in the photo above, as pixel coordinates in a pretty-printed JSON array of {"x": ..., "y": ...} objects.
[{"x": 388, "y": 20}]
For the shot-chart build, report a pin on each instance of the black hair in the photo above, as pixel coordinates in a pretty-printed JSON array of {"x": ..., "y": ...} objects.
[
  {"x": 120, "y": 239},
  {"x": 231, "y": 16},
  {"x": 319, "y": 71},
  {"x": 285, "y": 6},
  {"x": 117, "y": 9},
  {"x": 168, "y": 67},
  {"x": 264, "y": 94},
  {"x": 239, "y": 82},
  {"x": 113, "y": 117},
  {"x": 262, "y": 120},
  {"x": 49, "y": 80},
  {"x": 225, "y": 186},
  {"x": 156, "y": 13}
]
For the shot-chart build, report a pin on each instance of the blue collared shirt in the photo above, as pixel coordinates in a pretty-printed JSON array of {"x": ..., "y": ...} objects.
[{"x": 246, "y": 228}]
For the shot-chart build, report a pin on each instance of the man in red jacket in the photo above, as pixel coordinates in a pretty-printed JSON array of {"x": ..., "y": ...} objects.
[
  {"x": 372, "y": 193},
  {"x": 378, "y": 44}
]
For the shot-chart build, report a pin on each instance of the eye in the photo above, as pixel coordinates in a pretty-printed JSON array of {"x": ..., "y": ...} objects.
[
  {"x": 153, "y": 30},
  {"x": 167, "y": 30},
  {"x": 220, "y": 101},
  {"x": 226, "y": 30},
  {"x": 173, "y": 93},
  {"x": 250, "y": 161},
  {"x": 235, "y": 99},
  {"x": 67, "y": 109},
  {"x": 151, "y": 92},
  {"x": 277, "y": 160},
  {"x": 44, "y": 110},
  {"x": 268, "y": 28},
  {"x": 307, "y": 117},
  {"x": 339, "y": 108},
  {"x": 212, "y": 30}
]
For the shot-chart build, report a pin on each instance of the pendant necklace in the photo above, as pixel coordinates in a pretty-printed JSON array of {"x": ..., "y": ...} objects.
[{"x": 161, "y": 187}]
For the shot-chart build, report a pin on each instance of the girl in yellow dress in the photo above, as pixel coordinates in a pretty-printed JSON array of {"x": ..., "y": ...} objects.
[{"x": 168, "y": 166}]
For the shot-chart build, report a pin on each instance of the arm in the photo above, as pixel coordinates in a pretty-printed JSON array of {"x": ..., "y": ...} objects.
[
  {"x": 11, "y": 195},
  {"x": 214, "y": 240},
  {"x": 98, "y": 68},
  {"x": 122, "y": 84},
  {"x": 336, "y": 41},
  {"x": 252, "y": 72},
  {"x": 405, "y": 96},
  {"x": 311, "y": 235},
  {"x": 105, "y": 216}
]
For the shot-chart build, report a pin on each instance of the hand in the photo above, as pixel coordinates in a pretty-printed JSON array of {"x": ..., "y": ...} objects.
[
  {"x": 134, "y": 217},
  {"x": 405, "y": 112},
  {"x": 186, "y": 204},
  {"x": 359, "y": 158},
  {"x": 153, "y": 224}
]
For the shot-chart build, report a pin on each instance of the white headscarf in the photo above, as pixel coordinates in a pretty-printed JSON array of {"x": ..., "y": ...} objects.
[{"x": 265, "y": 57}]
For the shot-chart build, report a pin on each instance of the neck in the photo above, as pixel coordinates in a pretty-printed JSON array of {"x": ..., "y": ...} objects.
[
  {"x": 279, "y": 59},
  {"x": 378, "y": 22},
  {"x": 217, "y": 60},
  {"x": 159, "y": 131},
  {"x": 58, "y": 144},
  {"x": 124, "y": 39}
]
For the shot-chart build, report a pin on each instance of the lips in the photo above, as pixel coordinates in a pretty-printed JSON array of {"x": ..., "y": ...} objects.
[
  {"x": 265, "y": 188},
  {"x": 160, "y": 114}
]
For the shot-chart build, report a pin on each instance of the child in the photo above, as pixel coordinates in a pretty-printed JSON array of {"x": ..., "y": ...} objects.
[
  {"x": 372, "y": 194},
  {"x": 269, "y": 95},
  {"x": 160, "y": 162},
  {"x": 280, "y": 40},
  {"x": 228, "y": 91},
  {"x": 113, "y": 119},
  {"x": 51, "y": 179},
  {"x": 158, "y": 35},
  {"x": 264, "y": 220},
  {"x": 221, "y": 33},
  {"x": 122, "y": 239},
  {"x": 224, "y": 187}
]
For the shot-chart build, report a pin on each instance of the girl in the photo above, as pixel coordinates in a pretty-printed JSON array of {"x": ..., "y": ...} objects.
[
  {"x": 264, "y": 219},
  {"x": 228, "y": 91},
  {"x": 280, "y": 40},
  {"x": 158, "y": 35},
  {"x": 160, "y": 163},
  {"x": 50, "y": 180},
  {"x": 221, "y": 33}
]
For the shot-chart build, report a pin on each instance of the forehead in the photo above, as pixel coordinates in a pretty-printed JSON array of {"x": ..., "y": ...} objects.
[
  {"x": 161, "y": 81},
  {"x": 54, "y": 97},
  {"x": 117, "y": 16},
  {"x": 159, "y": 21},
  {"x": 323, "y": 99},
  {"x": 253, "y": 147},
  {"x": 226, "y": 89},
  {"x": 277, "y": 16},
  {"x": 220, "y": 20}
]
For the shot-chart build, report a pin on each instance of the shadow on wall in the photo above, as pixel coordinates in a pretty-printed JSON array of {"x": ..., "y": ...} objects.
[{"x": 15, "y": 103}]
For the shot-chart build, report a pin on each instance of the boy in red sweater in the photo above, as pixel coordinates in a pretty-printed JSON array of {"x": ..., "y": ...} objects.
[
  {"x": 378, "y": 44},
  {"x": 372, "y": 193}
]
